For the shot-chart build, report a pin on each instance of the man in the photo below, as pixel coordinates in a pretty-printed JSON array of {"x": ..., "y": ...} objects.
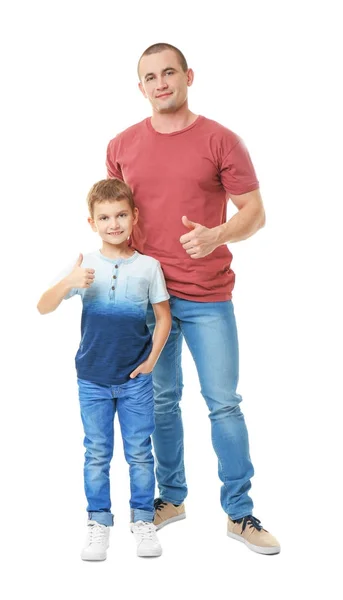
[{"x": 182, "y": 169}]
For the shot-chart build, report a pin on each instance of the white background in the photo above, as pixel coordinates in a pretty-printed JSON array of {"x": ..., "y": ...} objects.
[{"x": 269, "y": 71}]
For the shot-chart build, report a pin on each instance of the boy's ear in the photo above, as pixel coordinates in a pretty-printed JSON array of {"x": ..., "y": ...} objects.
[
  {"x": 92, "y": 224},
  {"x": 135, "y": 216}
]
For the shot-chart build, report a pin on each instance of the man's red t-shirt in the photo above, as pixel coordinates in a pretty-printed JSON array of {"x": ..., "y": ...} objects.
[{"x": 188, "y": 172}]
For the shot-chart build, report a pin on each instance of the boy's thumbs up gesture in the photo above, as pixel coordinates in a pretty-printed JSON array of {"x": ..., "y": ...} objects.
[
  {"x": 200, "y": 240},
  {"x": 79, "y": 261},
  {"x": 79, "y": 277}
]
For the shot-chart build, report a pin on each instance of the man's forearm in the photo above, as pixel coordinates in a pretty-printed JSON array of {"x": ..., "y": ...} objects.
[
  {"x": 200, "y": 240},
  {"x": 241, "y": 226}
]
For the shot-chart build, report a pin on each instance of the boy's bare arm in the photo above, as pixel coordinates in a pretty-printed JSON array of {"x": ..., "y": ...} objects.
[
  {"x": 159, "y": 338},
  {"x": 77, "y": 278},
  {"x": 53, "y": 297}
]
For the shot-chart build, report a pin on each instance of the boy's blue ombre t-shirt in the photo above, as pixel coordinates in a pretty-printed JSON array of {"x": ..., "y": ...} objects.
[{"x": 114, "y": 336}]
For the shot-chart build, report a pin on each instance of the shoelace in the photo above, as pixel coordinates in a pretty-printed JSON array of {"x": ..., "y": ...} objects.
[
  {"x": 144, "y": 530},
  {"x": 96, "y": 534},
  {"x": 251, "y": 521},
  {"x": 159, "y": 504}
]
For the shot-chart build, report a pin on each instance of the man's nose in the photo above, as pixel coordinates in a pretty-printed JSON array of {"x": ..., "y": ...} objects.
[{"x": 161, "y": 83}]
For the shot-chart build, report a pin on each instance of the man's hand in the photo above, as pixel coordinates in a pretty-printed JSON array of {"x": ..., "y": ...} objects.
[
  {"x": 200, "y": 241},
  {"x": 145, "y": 368},
  {"x": 79, "y": 277}
]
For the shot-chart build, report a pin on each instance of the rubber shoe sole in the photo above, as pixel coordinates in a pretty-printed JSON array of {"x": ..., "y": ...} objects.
[
  {"x": 171, "y": 520},
  {"x": 149, "y": 553},
  {"x": 258, "y": 549},
  {"x": 99, "y": 556}
]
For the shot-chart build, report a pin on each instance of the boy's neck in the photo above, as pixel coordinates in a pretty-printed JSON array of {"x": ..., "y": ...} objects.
[{"x": 113, "y": 252}]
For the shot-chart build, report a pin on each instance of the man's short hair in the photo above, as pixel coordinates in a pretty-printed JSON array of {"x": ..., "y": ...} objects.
[
  {"x": 155, "y": 48},
  {"x": 109, "y": 190}
]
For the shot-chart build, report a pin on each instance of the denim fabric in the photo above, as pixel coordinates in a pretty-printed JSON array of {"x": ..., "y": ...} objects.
[
  {"x": 209, "y": 329},
  {"x": 133, "y": 401}
]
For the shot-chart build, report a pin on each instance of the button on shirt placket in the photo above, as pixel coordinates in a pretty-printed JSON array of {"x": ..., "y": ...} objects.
[{"x": 114, "y": 282}]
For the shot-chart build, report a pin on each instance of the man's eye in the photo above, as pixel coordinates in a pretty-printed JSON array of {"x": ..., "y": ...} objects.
[
  {"x": 103, "y": 218},
  {"x": 169, "y": 72},
  {"x": 148, "y": 79}
]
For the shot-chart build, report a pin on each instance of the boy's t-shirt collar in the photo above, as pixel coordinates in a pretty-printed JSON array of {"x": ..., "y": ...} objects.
[{"x": 118, "y": 261}]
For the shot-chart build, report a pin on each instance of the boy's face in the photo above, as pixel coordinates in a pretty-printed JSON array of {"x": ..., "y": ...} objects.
[{"x": 113, "y": 221}]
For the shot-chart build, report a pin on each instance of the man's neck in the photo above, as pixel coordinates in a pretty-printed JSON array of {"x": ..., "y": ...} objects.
[{"x": 170, "y": 122}]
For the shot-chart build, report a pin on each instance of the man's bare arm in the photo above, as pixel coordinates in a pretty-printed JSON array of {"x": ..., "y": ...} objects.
[
  {"x": 247, "y": 221},
  {"x": 201, "y": 240}
]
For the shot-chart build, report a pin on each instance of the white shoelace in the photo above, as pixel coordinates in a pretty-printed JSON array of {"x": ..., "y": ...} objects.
[
  {"x": 96, "y": 533},
  {"x": 144, "y": 530}
]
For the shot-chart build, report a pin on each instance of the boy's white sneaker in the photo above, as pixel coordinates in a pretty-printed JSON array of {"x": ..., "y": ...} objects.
[
  {"x": 146, "y": 538},
  {"x": 97, "y": 541}
]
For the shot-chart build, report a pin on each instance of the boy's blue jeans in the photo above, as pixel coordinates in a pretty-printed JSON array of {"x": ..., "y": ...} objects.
[
  {"x": 209, "y": 329},
  {"x": 134, "y": 403}
]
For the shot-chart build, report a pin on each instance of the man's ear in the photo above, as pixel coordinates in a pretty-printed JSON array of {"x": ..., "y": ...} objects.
[
  {"x": 92, "y": 224},
  {"x": 140, "y": 85},
  {"x": 190, "y": 77}
]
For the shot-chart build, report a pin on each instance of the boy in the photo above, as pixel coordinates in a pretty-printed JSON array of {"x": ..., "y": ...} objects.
[{"x": 114, "y": 362}]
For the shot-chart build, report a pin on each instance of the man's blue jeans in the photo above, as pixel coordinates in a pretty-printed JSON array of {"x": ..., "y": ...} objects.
[
  {"x": 209, "y": 329},
  {"x": 134, "y": 403}
]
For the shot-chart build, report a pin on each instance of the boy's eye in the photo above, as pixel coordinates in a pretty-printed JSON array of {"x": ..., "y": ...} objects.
[{"x": 103, "y": 218}]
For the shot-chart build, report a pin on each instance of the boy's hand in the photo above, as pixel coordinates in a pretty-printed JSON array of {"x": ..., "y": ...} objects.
[
  {"x": 146, "y": 367},
  {"x": 79, "y": 277}
]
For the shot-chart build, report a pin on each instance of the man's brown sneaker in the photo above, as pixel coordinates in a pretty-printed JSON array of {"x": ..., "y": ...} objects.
[
  {"x": 250, "y": 531},
  {"x": 166, "y": 513}
]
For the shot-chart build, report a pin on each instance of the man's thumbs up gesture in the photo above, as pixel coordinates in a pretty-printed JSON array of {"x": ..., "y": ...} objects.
[
  {"x": 199, "y": 241},
  {"x": 79, "y": 277}
]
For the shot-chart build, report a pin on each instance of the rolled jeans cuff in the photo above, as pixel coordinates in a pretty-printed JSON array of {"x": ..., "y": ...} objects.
[
  {"x": 103, "y": 518},
  {"x": 136, "y": 514}
]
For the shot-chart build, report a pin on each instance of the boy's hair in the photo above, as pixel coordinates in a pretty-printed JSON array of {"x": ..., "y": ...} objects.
[
  {"x": 155, "y": 48},
  {"x": 109, "y": 190}
]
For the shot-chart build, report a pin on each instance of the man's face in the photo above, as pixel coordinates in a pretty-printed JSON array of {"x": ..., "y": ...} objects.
[
  {"x": 163, "y": 81},
  {"x": 113, "y": 221}
]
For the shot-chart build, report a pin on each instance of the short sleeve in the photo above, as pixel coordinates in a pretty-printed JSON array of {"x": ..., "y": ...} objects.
[
  {"x": 113, "y": 167},
  {"x": 158, "y": 289},
  {"x": 73, "y": 292},
  {"x": 237, "y": 172}
]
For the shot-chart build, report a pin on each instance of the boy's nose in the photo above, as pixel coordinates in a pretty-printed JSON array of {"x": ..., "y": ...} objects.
[{"x": 114, "y": 224}]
